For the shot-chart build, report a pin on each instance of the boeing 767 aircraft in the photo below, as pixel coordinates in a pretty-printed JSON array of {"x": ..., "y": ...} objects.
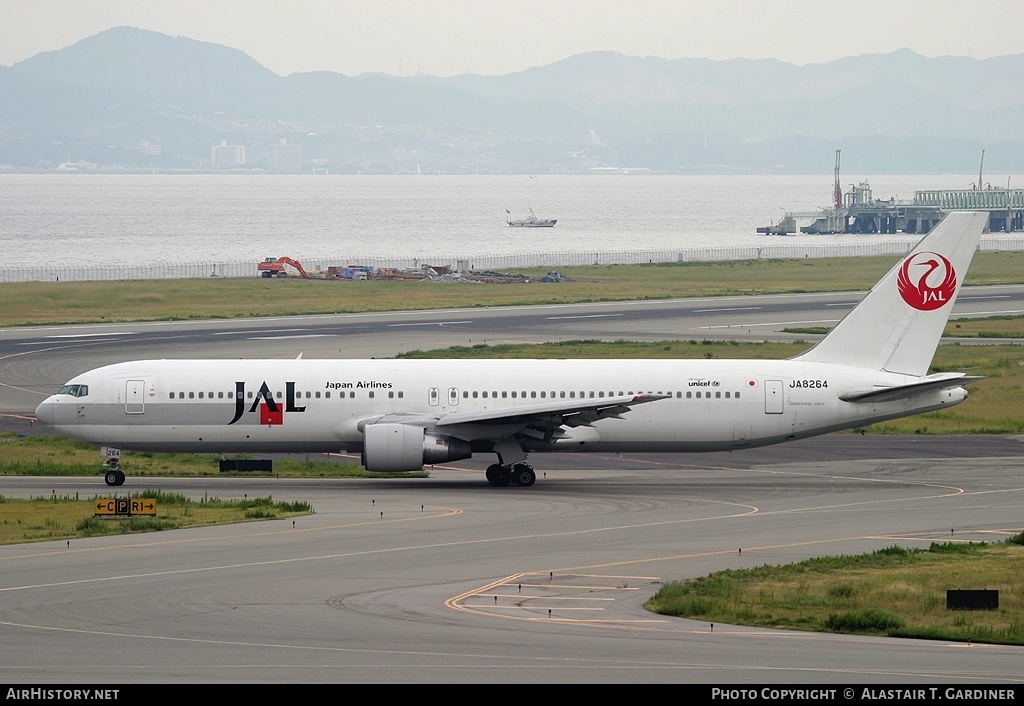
[{"x": 402, "y": 414}]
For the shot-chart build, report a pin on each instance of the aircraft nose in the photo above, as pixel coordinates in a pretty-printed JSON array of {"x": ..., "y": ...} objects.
[{"x": 44, "y": 412}]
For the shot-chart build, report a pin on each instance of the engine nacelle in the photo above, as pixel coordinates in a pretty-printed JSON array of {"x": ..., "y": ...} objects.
[{"x": 407, "y": 447}]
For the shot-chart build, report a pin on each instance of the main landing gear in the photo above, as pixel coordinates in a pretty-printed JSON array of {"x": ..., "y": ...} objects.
[{"x": 521, "y": 474}]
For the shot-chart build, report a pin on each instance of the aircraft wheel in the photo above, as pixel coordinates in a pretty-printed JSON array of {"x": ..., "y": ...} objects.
[
  {"x": 120, "y": 477},
  {"x": 523, "y": 475},
  {"x": 498, "y": 475},
  {"x": 111, "y": 478}
]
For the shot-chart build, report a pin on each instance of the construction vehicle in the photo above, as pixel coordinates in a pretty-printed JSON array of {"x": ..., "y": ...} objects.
[
  {"x": 354, "y": 272},
  {"x": 274, "y": 267}
]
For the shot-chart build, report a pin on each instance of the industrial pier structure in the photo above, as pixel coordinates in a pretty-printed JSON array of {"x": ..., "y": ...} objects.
[{"x": 857, "y": 211}]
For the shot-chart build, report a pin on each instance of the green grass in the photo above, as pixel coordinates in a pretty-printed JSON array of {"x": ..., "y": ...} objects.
[
  {"x": 987, "y": 327},
  {"x": 42, "y": 455},
  {"x": 894, "y": 592},
  {"x": 153, "y": 300},
  {"x": 70, "y": 517}
]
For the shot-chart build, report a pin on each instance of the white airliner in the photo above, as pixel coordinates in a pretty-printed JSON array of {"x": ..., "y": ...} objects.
[{"x": 403, "y": 414}]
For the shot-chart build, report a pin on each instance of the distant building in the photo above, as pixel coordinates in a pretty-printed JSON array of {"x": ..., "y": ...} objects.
[
  {"x": 149, "y": 148},
  {"x": 285, "y": 157},
  {"x": 225, "y": 156}
]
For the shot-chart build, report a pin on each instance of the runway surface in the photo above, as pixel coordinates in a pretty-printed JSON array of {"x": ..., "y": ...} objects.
[{"x": 448, "y": 580}]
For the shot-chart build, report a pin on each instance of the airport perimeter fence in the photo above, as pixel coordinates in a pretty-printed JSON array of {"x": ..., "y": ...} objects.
[{"x": 490, "y": 263}]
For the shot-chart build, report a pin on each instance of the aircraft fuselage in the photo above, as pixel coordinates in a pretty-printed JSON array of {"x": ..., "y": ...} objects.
[{"x": 323, "y": 405}]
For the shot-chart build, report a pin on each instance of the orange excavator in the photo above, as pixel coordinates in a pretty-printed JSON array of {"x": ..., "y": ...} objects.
[{"x": 274, "y": 267}]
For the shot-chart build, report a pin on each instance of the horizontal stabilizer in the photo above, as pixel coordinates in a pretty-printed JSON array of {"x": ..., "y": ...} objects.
[{"x": 932, "y": 383}]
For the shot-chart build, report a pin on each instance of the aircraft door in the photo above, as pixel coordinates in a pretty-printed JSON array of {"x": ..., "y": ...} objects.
[
  {"x": 433, "y": 396},
  {"x": 453, "y": 396},
  {"x": 135, "y": 397},
  {"x": 773, "y": 396}
]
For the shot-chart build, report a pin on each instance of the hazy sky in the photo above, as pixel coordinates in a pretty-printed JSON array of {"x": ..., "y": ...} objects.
[{"x": 446, "y": 37}]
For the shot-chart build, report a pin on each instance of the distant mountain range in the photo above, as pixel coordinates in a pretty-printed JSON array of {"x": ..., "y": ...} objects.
[{"x": 129, "y": 99}]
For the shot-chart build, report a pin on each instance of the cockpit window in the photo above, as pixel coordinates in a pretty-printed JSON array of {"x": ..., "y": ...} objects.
[{"x": 74, "y": 390}]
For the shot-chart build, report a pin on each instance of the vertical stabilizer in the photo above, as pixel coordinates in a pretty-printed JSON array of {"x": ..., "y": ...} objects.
[{"x": 897, "y": 326}]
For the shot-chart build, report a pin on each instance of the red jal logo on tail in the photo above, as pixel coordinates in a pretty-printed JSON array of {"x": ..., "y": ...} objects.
[{"x": 927, "y": 281}]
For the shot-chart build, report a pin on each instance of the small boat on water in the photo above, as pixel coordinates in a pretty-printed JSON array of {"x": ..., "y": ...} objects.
[{"x": 530, "y": 221}]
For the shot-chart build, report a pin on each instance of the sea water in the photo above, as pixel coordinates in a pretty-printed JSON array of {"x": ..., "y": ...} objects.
[{"x": 67, "y": 220}]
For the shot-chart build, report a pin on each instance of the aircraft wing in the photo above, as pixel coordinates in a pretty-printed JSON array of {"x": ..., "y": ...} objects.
[
  {"x": 942, "y": 381},
  {"x": 570, "y": 412}
]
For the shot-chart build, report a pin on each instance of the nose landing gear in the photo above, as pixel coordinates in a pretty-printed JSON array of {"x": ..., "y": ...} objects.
[{"x": 113, "y": 475}]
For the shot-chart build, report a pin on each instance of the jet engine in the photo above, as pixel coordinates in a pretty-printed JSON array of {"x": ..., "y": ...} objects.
[{"x": 407, "y": 447}]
